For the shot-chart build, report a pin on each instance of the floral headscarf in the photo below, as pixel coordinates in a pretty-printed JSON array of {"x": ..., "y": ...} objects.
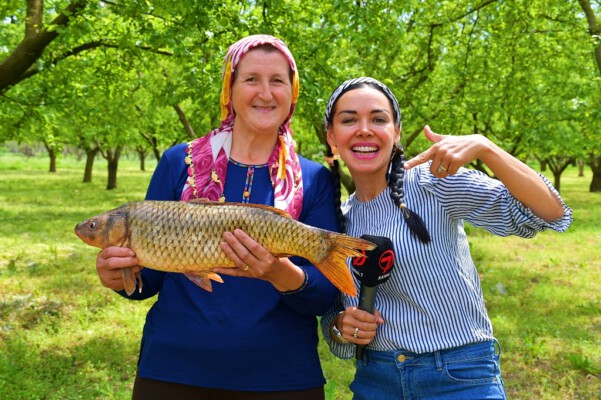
[{"x": 208, "y": 156}]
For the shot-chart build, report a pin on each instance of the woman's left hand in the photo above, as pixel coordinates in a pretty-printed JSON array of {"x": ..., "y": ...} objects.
[
  {"x": 254, "y": 261},
  {"x": 449, "y": 153}
]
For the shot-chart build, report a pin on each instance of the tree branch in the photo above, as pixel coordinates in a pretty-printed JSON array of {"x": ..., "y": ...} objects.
[
  {"x": 184, "y": 120},
  {"x": 37, "y": 38},
  {"x": 593, "y": 28},
  {"x": 33, "y": 70}
]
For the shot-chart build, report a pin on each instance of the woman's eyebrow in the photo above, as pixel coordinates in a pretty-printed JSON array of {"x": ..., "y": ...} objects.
[{"x": 375, "y": 111}]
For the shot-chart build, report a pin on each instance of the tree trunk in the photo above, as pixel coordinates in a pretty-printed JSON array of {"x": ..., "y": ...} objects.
[
  {"x": 142, "y": 156},
  {"x": 52, "y": 162},
  {"x": 594, "y": 29},
  {"x": 556, "y": 180},
  {"x": 112, "y": 178},
  {"x": 157, "y": 153},
  {"x": 51, "y": 155},
  {"x": 557, "y": 165},
  {"x": 112, "y": 157},
  {"x": 596, "y": 168},
  {"x": 90, "y": 157},
  {"x": 581, "y": 165}
]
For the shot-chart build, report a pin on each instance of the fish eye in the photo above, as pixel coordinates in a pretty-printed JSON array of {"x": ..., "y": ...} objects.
[{"x": 92, "y": 225}]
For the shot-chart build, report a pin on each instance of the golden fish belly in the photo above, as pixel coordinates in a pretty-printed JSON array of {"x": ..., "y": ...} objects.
[{"x": 178, "y": 236}]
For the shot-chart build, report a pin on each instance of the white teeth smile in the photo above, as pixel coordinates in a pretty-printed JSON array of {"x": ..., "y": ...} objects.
[{"x": 365, "y": 149}]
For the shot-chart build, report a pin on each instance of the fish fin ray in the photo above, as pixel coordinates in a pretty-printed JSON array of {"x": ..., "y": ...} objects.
[
  {"x": 206, "y": 202},
  {"x": 203, "y": 200},
  {"x": 129, "y": 280},
  {"x": 203, "y": 280},
  {"x": 215, "y": 277},
  {"x": 334, "y": 267}
]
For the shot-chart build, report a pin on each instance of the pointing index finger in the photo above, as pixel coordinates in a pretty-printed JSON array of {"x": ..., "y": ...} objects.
[{"x": 420, "y": 158}]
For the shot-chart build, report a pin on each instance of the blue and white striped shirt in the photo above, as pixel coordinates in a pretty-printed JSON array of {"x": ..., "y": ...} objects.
[{"x": 433, "y": 300}]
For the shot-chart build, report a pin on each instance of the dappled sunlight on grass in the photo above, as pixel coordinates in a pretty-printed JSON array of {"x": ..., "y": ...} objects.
[
  {"x": 543, "y": 298},
  {"x": 62, "y": 333}
]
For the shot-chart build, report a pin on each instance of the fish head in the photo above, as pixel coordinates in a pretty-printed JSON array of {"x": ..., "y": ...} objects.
[{"x": 104, "y": 230}]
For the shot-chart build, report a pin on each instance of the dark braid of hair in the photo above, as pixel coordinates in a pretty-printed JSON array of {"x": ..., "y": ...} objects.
[
  {"x": 334, "y": 165},
  {"x": 396, "y": 178}
]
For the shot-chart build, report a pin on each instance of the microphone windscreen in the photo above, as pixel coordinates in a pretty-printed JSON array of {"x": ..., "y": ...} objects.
[{"x": 376, "y": 266}]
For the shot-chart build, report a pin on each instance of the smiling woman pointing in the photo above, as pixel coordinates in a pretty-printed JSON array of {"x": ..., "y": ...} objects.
[{"x": 430, "y": 336}]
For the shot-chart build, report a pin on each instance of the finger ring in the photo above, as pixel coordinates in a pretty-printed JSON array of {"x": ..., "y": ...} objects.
[
  {"x": 356, "y": 332},
  {"x": 245, "y": 267},
  {"x": 441, "y": 169}
]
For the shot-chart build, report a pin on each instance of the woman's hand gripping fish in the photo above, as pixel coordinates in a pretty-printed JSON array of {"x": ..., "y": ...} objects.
[{"x": 176, "y": 236}]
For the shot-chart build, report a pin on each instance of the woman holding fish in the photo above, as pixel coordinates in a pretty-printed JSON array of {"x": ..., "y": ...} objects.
[
  {"x": 254, "y": 336},
  {"x": 430, "y": 336}
]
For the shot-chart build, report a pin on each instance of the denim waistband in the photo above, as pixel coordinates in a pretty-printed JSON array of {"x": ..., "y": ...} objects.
[{"x": 461, "y": 353}]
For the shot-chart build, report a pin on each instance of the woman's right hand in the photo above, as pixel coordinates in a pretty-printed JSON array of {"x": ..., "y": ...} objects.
[
  {"x": 109, "y": 262},
  {"x": 358, "y": 326}
]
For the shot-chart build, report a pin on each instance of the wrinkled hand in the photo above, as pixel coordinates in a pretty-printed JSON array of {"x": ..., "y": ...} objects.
[
  {"x": 252, "y": 260},
  {"x": 109, "y": 262},
  {"x": 366, "y": 323},
  {"x": 449, "y": 153}
]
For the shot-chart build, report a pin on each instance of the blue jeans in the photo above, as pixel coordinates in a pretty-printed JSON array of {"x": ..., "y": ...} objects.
[{"x": 462, "y": 373}]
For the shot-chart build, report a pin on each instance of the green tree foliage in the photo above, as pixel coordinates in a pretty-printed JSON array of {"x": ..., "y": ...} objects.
[{"x": 143, "y": 75}]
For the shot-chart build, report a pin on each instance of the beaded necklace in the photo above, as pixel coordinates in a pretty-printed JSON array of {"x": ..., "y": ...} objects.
[{"x": 250, "y": 175}]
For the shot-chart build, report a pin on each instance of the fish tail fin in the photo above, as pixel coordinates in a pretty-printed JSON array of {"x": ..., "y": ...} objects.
[
  {"x": 203, "y": 280},
  {"x": 129, "y": 280},
  {"x": 334, "y": 267}
]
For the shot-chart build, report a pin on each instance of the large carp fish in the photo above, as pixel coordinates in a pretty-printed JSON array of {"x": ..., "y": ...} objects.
[{"x": 177, "y": 236}]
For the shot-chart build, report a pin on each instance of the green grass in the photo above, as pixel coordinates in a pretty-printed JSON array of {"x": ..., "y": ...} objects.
[{"x": 64, "y": 336}]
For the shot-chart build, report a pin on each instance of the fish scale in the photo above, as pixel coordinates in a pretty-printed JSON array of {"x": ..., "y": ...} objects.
[{"x": 184, "y": 237}]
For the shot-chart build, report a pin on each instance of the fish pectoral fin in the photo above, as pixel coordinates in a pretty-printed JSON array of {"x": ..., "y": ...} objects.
[
  {"x": 129, "y": 280},
  {"x": 203, "y": 280},
  {"x": 215, "y": 277}
]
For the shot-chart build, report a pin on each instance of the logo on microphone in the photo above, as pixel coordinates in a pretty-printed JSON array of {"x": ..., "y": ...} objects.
[
  {"x": 386, "y": 261},
  {"x": 359, "y": 261}
]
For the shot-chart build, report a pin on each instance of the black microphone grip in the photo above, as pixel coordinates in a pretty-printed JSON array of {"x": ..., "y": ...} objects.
[
  {"x": 367, "y": 299},
  {"x": 367, "y": 302}
]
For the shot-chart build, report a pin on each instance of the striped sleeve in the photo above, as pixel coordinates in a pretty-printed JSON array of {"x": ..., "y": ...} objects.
[{"x": 486, "y": 203}]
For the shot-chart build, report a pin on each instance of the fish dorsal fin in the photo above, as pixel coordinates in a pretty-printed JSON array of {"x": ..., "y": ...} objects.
[
  {"x": 202, "y": 200},
  {"x": 207, "y": 202}
]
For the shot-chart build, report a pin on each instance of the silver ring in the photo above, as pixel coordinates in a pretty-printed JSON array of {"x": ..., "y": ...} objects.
[
  {"x": 441, "y": 169},
  {"x": 356, "y": 332},
  {"x": 245, "y": 267}
]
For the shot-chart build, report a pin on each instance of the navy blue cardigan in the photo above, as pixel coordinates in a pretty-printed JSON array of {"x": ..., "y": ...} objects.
[{"x": 245, "y": 335}]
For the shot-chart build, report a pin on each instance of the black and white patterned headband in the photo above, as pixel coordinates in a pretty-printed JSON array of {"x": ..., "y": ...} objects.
[{"x": 357, "y": 82}]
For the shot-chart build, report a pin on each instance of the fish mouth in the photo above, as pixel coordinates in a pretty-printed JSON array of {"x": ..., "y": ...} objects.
[{"x": 79, "y": 231}]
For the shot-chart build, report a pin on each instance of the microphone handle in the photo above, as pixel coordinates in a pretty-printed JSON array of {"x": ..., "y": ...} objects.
[
  {"x": 367, "y": 298},
  {"x": 367, "y": 302}
]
